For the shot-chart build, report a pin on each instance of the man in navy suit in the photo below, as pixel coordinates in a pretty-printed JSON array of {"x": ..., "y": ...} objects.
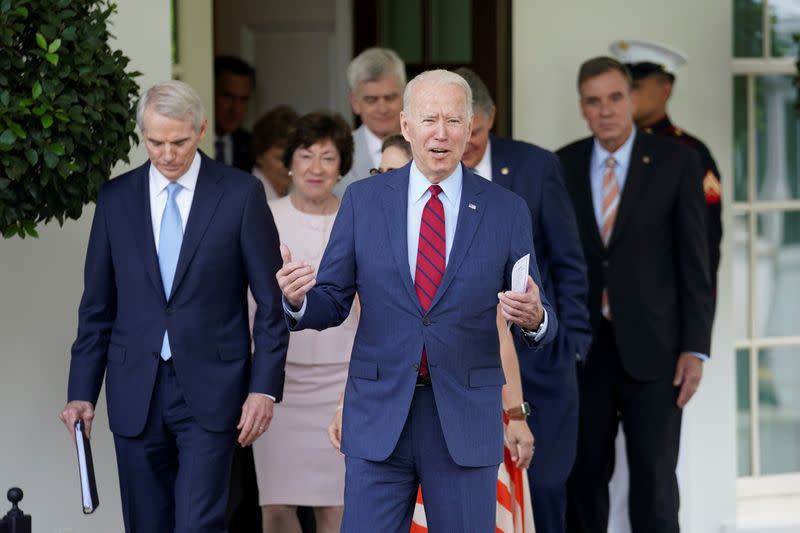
[
  {"x": 428, "y": 248},
  {"x": 549, "y": 379},
  {"x": 164, "y": 316}
]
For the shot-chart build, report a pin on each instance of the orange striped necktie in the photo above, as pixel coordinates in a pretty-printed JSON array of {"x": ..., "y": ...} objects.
[{"x": 611, "y": 195}]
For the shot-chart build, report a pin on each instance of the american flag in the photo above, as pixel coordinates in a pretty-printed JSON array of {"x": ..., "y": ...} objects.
[{"x": 514, "y": 510}]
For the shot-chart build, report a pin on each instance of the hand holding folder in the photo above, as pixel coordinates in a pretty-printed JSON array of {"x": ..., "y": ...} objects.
[{"x": 86, "y": 469}]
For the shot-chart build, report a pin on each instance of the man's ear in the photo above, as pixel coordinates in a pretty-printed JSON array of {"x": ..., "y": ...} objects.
[{"x": 355, "y": 103}]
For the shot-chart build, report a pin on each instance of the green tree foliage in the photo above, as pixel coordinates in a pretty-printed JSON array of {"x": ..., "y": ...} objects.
[{"x": 67, "y": 109}]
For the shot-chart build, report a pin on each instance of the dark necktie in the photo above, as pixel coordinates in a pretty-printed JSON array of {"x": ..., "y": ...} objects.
[
  {"x": 219, "y": 149},
  {"x": 430, "y": 257}
]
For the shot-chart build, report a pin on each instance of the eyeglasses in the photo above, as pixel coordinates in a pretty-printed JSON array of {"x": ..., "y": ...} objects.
[{"x": 374, "y": 171}]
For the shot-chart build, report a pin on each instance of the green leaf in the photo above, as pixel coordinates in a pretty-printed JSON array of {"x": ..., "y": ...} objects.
[
  {"x": 56, "y": 148},
  {"x": 37, "y": 89},
  {"x": 32, "y": 156},
  {"x": 69, "y": 33},
  {"x": 40, "y": 40},
  {"x": 39, "y": 110},
  {"x": 50, "y": 159},
  {"x": 52, "y": 58},
  {"x": 7, "y": 138},
  {"x": 5, "y": 97},
  {"x": 17, "y": 129},
  {"x": 22, "y": 11},
  {"x": 47, "y": 121},
  {"x": 54, "y": 46}
]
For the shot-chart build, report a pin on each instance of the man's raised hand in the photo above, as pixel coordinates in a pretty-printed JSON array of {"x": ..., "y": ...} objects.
[{"x": 295, "y": 279}]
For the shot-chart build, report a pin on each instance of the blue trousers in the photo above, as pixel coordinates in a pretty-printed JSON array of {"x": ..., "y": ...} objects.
[
  {"x": 174, "y": 476},
  {"x": 380, "y": 496}
]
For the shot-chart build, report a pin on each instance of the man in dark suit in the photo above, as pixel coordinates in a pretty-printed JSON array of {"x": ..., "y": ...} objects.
[
  {"x": 164, "y": 316},
  {"x": 234, "y": 82},
  {"x": 428, "y": 248},
  {"x": 548, "y": 377},
  {"x": 639, "y": 205}
]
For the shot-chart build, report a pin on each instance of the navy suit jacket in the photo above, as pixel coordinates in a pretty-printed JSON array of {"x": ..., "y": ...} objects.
[
  {"x": 230, "y": 241},
  {"x": 368, "y": 254},
  {"x": 535, "y": 174}
]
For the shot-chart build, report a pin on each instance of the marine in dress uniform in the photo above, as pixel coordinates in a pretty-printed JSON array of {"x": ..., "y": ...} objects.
[{"x": 653, "y": 67}]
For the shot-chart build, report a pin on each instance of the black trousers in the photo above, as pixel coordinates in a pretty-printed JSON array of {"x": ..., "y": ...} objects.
[{"x": 652, "y": 424}]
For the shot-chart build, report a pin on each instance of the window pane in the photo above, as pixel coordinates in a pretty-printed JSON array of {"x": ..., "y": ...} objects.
[
  {"x": 740, "y": 139},
  {"x": 743, "y": 412},
  {"x": 777, "y": 275},
  {"x": 451, "y": 31},
  {"x": 776, "y": 139},
  {"x": 741, "y": 276},
  {"x": 401, "y": 28},
  {"x": 748, "y": 34},
  {"x": 779, "y": 409},
  {"x": 785, "y": 20}
]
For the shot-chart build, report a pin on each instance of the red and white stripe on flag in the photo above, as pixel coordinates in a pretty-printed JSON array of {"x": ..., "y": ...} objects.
[{"x": 514, "y": 509}]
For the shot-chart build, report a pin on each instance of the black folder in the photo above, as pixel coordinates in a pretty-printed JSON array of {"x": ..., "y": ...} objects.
[{"x": 89, "y": 497}]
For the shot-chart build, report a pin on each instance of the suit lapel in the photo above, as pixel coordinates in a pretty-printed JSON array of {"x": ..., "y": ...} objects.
[
  {"x": 583, "y": 201},
  {"x": 470, "y": 213},
  {"x": 633, "y": 186},
  {"x": 502, "y": 172},
  {"x": 395, "y": 207},
  {"x": 206, "y": 197},
  {"x": 142, "y": 226}
]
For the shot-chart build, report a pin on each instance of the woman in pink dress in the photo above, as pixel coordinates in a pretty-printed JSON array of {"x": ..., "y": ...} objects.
[{"x": 295, "y": 464}]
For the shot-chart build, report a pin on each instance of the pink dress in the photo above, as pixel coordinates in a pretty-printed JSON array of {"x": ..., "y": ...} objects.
[{"x": 295, "y": 462}]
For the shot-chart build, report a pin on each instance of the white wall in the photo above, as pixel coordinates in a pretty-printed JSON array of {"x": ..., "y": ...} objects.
[
  {"x": 40, "y": 287},
  {"x": 551, "y": 39}
]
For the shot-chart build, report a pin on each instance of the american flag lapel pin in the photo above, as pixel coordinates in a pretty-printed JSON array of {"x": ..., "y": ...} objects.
[{"x": 472, "y": 206}]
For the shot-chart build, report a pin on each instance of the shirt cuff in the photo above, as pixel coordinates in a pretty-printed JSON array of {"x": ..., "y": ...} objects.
[
  {"x": 270, "y": 396},
  {"x": 701, "y": 356},
  {"x": 296, "y": 315},
  {"x": 537, "y": 335}
]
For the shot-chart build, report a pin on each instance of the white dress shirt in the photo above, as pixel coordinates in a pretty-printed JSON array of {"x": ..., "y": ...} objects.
[
  {"x": 484, "y": 168},
  {"x": 158, "y": 195},
  {"x": 374, "y": 144}
]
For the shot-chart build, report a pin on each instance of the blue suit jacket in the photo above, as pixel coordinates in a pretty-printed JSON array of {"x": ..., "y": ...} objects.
[
  {"x": 368, "y": 254},
  {"x": 229, "y": 241},
  {"x": 548, "y": 377}
]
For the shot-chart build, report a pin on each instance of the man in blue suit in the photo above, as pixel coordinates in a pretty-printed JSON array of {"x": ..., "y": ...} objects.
[
  {"x": 549, "y": 379},
  {"x": 428, "y": 248},
  {"x": 164, "y": 316}
]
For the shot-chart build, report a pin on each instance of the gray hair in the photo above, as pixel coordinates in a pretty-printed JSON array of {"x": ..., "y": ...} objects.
[
  {"x": 481, "y": 99},
  {"x": 438, "y": 77},
  {"x": 174, "y": 99},
  {"x": 374, "y": 64}
]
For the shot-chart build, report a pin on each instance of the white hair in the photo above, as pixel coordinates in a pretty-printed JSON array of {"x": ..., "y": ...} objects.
[
  {"x": 374, "y": 64},
  {"x": 439, "y": 77},
  {"x": 174, "y": 99}
]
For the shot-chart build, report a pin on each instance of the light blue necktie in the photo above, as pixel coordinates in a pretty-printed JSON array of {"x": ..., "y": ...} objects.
[{"x": 169, "y": 247}]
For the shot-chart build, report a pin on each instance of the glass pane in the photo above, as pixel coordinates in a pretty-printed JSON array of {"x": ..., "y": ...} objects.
[
  {"x": 745, "y": 467},
  {"x": 451, "y": 31},
  {"x": 777, "y": 275},
  {"x": 741, "y": 276},
  {"x": 776, "y": 139},
  {"x": 785, "y": 21},
  {"x": 401, "y": 28},
  {"x": 740, "y": 139},
  {"x": 748, "y": 34},
  {"x": 779, "y": 409}
]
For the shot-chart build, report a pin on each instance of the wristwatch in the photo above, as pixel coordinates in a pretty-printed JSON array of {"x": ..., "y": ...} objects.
[
  {"x": 519, "y": 412},
  {"x": 532, "y": 333}
]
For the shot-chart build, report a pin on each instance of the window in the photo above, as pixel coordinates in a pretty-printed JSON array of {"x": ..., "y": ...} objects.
[{"x": 766, "y": 239}]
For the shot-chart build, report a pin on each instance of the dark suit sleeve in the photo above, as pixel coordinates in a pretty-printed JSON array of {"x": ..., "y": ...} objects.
[
  {"x": 694, "y": 284},
  {"x": 96, "y": 314},
  {"x": 567, "y": 264},
  {"x": 260, "y": 246},
  {"x": 328, "y": 304},
  {"x": 522, "y": 244}
]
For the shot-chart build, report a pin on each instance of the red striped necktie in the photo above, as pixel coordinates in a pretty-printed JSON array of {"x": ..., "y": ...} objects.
[{"x": 430, "y": 257}]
